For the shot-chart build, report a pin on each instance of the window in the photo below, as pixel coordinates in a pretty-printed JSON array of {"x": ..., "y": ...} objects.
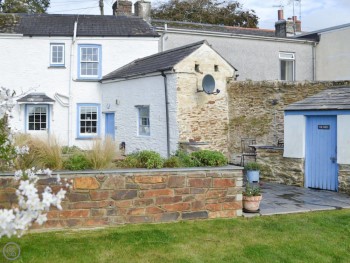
[
  {"x": 37, "y": 117},
  {"x": 57, "y": 55},
  {"x": 88, "y": 120},
  {"x": 144, "y": 124},
  {"x": 89, "y": 62},
  {"x": 287, "y": 66}
]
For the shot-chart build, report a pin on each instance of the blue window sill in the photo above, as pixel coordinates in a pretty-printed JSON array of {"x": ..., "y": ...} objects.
[
  {"x": 57, "y": 66},
  {"x": 87, "y": 80},
  {"x": 88, "y": 138}
]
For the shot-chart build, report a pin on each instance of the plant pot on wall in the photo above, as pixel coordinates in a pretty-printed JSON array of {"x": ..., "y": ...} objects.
[{"x": 252, "y": 172}]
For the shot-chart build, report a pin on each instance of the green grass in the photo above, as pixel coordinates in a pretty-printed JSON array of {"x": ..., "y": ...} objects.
[{"x": 310, "y": 237}]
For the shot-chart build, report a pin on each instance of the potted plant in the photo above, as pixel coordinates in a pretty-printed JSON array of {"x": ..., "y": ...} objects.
[
  {"x": 253, "y": 172},
  {"x": 251, "y": 199}
]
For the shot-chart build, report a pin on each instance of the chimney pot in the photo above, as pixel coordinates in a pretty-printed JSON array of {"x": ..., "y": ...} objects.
[{"x": 280, "y": 14}]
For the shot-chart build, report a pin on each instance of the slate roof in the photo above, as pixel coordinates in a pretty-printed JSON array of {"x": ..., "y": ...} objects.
[
  {"x": 63, "y": 25},
  {"x": 35, "y": 98},
  {"x": 314, "y": 35},
  {"x": 159, "y": 24},
  {"x": 162, "y": 61},
  {"x": 331, "y": 99}
]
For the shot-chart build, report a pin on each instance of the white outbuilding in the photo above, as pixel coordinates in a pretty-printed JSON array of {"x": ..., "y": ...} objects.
[
  {"x": 175, "y": 96},
  {"x": 317, "y": 129}
]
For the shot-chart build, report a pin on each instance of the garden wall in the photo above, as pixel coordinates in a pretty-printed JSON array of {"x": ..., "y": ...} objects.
[
  {"x": 141, "y": 196},
  {"x": 256, "y": 109},
  {"x": 276, "y": 168}
]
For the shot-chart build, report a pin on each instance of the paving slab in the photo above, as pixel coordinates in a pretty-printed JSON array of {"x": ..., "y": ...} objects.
[{"x": 284, "y": 199}]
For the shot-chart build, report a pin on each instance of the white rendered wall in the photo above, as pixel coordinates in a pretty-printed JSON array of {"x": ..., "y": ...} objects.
[
  {"x": 255, "y": 58},
  {"x": 294, "y": 136},
  {"x": 25, "y": 67},
  {"x": 333, "y": 55},
  {"x": 343, "y": 139},
  {"x": 142, "y": 91}
]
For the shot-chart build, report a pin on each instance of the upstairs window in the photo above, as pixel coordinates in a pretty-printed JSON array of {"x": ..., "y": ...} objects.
[
  {"x": 57, "y": 55},
  {"x": 287, "y": 66},
  {"x": 144, "y": 123},
  {"x": 89, "y": 62}
]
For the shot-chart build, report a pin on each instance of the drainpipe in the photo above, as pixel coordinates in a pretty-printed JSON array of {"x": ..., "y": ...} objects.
[
  {"x": 166, "y": 114},
  {"x": 314, "y": 60},
  {"x": 70, "y": 84}
]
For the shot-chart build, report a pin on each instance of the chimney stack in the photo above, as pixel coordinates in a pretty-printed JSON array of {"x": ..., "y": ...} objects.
[
  {"x": 122, "y": 7},
  {"x": 143, "y": 10},
  {"x": 286, "y": 28}
]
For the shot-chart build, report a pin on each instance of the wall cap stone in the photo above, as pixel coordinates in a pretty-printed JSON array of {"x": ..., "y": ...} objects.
[{"x": 139, "y": 171}]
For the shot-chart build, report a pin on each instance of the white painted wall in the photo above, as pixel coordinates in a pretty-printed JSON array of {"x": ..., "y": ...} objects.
[
  {"x": 294, "y": 136},
  {"x": 343, "y": 139},
  {"x": 25, "y": 68},
  {"x": 295, "y": 131},
  {"x": 333, "y": 55},
  {"x": 142, "y": 91}
]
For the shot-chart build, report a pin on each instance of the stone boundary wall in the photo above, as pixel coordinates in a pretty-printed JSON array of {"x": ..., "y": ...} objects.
[
  {"x": 140, "y": 196},
  {"x": 276, "y": 168},
  {"x": 256, "y": 108},
  {"x": 344, "y": 178},
  {"x": 290, "y": 171}
]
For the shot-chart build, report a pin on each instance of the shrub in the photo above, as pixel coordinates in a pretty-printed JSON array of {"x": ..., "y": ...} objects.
[
  {"x": 252, "y": 166},
  {"x": 210, "y": 158},
  {"x": 102, "y": 153},
  {"x": 70, "y": 150},
  {"x": 142, "y": 159},
  {"x": 172, "y": 162},
  {"x": 130, "y": 161},
  {"x": 77, "y": 161},
  {"x": 150, "y": 159},
  {"x": 42, "y": 153},
  {"x": 187, "y": 160}
]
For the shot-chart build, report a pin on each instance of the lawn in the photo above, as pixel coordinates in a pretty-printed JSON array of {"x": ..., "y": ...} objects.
[{"x": 309, "y": 237}]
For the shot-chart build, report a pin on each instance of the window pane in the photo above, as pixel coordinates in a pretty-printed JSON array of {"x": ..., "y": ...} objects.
[
  {"x": 37, "y": 117},
  {"x": 144, "y": 123},
  {"x": 89, "y": 61},
  {"x": 57, "y": 54},
  {"x": 287, "y": 70},
  {"x": 88, "y": 119}
]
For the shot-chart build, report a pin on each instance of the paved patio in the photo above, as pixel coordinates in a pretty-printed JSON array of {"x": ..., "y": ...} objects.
[{"x": 283, "y": 199}]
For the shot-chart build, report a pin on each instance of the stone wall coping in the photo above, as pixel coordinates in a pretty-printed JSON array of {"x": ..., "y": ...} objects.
[
  {"x": 267, "y": 147},
  {"x": 142, "y": 170}
]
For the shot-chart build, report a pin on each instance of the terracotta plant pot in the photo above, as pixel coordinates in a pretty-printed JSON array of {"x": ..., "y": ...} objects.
[{"x": 251, "y": 203}]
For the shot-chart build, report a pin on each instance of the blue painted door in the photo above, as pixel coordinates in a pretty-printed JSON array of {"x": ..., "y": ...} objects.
[
  {"x": 321, "y": 169},
  {"x": 110, "y": 125}
]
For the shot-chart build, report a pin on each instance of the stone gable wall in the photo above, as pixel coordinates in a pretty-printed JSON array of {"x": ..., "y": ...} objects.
[
  {"x": 203, "y": 118},
  {"x": 140, "y": 196}
]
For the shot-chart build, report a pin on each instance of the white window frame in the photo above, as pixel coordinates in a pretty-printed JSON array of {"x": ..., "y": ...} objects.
[
  {"x": 143, "y": 127},
  {"x": 90, "y": 59},
  {"x": 287, "y": 57},
  {"x": 28, "y": 108},
  {"x": 79, "y": 121},
  {"x": 53, "y": 63}
]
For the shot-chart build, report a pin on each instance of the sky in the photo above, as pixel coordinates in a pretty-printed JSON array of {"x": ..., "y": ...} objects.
[{"x": 315, "y": 14}]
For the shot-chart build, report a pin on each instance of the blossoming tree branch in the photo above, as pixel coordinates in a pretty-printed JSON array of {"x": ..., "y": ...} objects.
[{"x": 32, "y": 206}]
